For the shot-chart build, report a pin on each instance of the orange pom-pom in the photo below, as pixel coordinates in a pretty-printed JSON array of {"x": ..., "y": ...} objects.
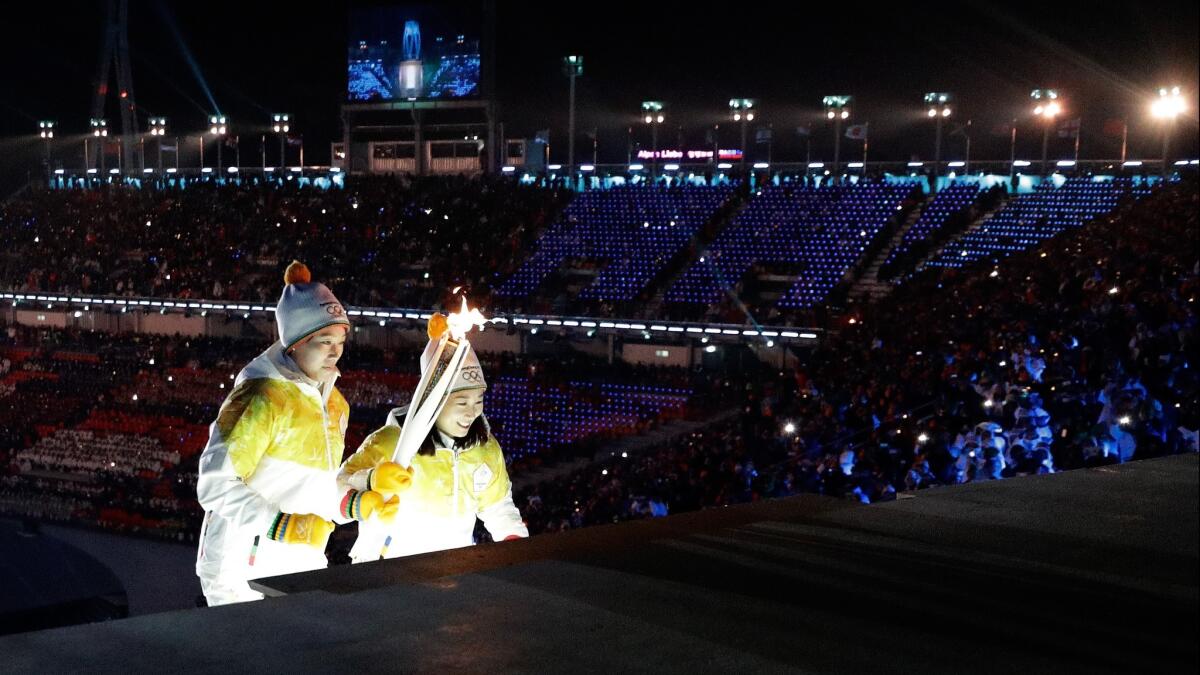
[
  {"x": 437, "y": 326},
  {"x": 297, "y": 273}
]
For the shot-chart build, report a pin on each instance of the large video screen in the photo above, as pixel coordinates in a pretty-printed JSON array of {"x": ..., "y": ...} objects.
[{"x": 413, "y": 52}]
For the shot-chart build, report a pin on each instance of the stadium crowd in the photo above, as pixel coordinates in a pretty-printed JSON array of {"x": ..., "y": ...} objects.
[
  {"x": 1078, "y": 353},
  {"x": 385, "y": 242},
  {"x": 1073, "y": 354}
]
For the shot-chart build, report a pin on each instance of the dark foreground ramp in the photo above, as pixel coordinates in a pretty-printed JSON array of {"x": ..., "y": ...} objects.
[{"x": 1089, "y": 571}]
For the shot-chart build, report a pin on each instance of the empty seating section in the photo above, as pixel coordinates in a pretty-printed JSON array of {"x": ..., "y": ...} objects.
[
  {"x": 1028, "y": 220},
  {"x": 633, "y": 231},
  {"x": 529, "y": 417},
  {"x": 814, "y": 232},
  {"x": 944, "y": 204}
]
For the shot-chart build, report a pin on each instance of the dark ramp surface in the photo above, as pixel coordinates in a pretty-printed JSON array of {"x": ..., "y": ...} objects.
[{"x": 1090, "y": 571}]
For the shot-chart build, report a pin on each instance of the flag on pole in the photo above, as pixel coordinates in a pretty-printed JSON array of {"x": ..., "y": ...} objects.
[
  {"x": 542, "y": 136},
  {"x": 803, "y": 131},
  {"x": 1069, "y": 128},
  {"x": 762, "y": 135},
  {"x": 295, "y": 140},
  {"x": 1114, "y": 127},
  {"x": 170, "y": 148},
  {"x": 1004, "y": 128},
  {"x": 857, "y": 132}
]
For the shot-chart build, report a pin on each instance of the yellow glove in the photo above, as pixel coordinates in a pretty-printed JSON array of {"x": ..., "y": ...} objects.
[
  {"x": 301, "y": 529},
  {"x": 390, "y": 478},
  {"x": 363, "y": 505}
]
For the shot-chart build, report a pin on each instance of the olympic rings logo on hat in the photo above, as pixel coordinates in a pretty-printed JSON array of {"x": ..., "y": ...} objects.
[
  {"x": 334, "y": 309},
  {"x": 473, "y": 375}
]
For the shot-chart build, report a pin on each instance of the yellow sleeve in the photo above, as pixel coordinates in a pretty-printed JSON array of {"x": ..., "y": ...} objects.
[
  {"x": 245, "y": 424},
  {"x": 375, "y": 449}
]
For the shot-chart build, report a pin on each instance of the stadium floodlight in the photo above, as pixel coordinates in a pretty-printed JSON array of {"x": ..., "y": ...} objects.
[
  {"x": 742, "y": 110},
  {"x": 837, "y": 108},
  {"x": 1169, "y": 104},
  {"x": 938, "y": 108},
  {"x": 572, "y": 66},
  {"x": 1047, "y": 106},
  {"x": 46, "y": 128},
  {"x": 1167, "y": 107},
  {"x": 652, "y": 113},
  {"x": 281, "y": 123},
  {"x": 218, "y": 125},
  {"x": 99, "y": 126}
]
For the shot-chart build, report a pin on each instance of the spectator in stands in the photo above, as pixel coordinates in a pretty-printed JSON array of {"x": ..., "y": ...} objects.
[
  {"x": 457, "y": 475},
  {"x": 267, "y": 476}
]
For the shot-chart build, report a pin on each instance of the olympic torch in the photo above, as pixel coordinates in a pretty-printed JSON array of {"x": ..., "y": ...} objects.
[{"x": 434, "y": 388}]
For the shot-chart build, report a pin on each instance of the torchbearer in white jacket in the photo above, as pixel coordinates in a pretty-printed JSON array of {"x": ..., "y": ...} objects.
[
  {"x": 446, "y": 467},
  {"x": 268, "y": 476}
]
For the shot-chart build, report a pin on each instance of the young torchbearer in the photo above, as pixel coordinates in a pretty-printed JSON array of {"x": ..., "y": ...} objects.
[
  {"x": 438, "y": 452},
  {"x": 268, "y": 476}
]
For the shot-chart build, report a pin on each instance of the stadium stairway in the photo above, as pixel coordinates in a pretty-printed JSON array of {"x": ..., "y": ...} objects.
[
  {"x": 703, "y": 238},
  {"x": 869, "y": 288},
  {"x": 975, "y": 225},
  {"x": 630, "y": 445}
]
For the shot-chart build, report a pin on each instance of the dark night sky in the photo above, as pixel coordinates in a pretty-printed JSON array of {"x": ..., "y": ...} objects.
[{"x": 257, "y": 57}]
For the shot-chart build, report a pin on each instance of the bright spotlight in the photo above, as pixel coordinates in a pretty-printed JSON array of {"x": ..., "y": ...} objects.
[{"x": 1169, "y": 105}]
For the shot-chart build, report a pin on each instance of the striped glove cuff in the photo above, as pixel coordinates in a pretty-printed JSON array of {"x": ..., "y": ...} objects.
[
  {"x": 351, "y": 506},
  {"x": 279, "y": 527}
]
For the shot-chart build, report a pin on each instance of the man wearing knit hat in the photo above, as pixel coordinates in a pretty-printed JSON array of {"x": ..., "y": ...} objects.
[
  {"x": 456, "y": 475},
  {"x": 267, "y": 478}
]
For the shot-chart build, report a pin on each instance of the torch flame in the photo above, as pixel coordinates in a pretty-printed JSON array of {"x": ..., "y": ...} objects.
[{"x": 462, "y": 321}]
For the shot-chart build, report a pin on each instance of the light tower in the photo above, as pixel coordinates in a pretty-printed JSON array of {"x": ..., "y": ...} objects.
[
  {"x": 281, "y": 124},
  {"x": 741, "y": 110},
  {"x": 572, "y": 68},
  {"x": 1047, "y": 106},
  {"x": 938, "y": 109},
  {"x": 837, "y": 108},
  {"x": 652, "y": 113},
  {"x": 1167, "y": 107}
]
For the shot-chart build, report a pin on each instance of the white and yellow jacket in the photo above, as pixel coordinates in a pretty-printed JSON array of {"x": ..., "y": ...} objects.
[
  {"x": 449, "y": 490},
  {"x": 275, "y": 447}
]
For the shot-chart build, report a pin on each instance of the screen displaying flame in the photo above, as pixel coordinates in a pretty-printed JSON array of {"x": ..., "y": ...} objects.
[{"x": 464, "y": 320}]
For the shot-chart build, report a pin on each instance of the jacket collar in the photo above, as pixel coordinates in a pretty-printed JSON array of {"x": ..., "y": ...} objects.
[{"x": 275, "y": 364}]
